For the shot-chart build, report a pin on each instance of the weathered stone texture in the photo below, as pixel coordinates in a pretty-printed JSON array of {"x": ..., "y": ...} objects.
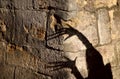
[
  {"x": 104, "y": 26},
  {"x": 104, "y": 3},
  {"x": 24, "y": 24},
  {"x": 21, "y": 4},
  {"x": 82, "y": 68},
  {"x": 118, "y": 2},
  {"x": 2, "y": 52},
  {"x": 21, "y": 73},
  {"x": 21, "y": 58},
  {"x": 116, "y": 72},
  {"x": 108, "y": 54},
  {"x": 33, "y": 24},
  {"x": 118, "y": 51},
  {"x": 84, "y": 25},
  {"x": 73, "y": 46},
  {"x": 6, "y": 72},
  {"x": 115, "y": 25},
  {"x": 38, "y": 4}
]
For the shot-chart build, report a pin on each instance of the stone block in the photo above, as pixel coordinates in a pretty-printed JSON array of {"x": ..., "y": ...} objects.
[
  {"x": 16, "y": 4},
  {"x": 6, "y": 72},
  {"x": 7, "y": 16},
  {"x": 104, "y": 26},
  {"x": 81, "y": 65},
  {"x": 23, "y": 4},
  {"x": 88, "y": 27},
  {"x": 117, "y": 47},
  {"x": 65, "y": 15},
  {"x": 116, "y": 72},
  {"x": 64, "y": 5},
  {"x": 118, "y": 1},
  {"x": 33, "y": 25},
  {"x": 115, "y": 28},
  {"x": 55, "y": 4},
  {"x": 40, "y": 4},
  {"x": 2, "y": 26},
  {"x": 2, "y": 52},
  {"x": 17, "y": 22},
  {"x": 108, "y": 54},
  {"x": 21, "y": 73},
  {"x": 21, "y": 58},
  {"x": 82, "y": 19},
  {"x": 89, "y": 32},
  {"x": 104, "y": 3},
  {"x": 89, "y": 5},
  {"x": 73, "y": 44},
  {"x": 1, "y": 56},
  {"x": 6, "y": 4}
]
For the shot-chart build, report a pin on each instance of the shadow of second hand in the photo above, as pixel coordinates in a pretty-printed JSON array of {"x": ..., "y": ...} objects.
[{"x": 94, "y": 60}]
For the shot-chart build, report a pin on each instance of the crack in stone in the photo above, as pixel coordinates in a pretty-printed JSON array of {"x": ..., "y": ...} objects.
[{"x": 14, "y": 76}]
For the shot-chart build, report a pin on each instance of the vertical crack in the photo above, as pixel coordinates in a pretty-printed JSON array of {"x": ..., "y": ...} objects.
[
  {"x": 14, "y": 73},
  {"x": 33, "y": 4}
]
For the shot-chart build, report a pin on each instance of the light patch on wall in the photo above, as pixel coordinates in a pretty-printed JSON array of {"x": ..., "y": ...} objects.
[
  {"x": 53, "y": 22},
  {"x": 104, "y": 3},
  {"x": 2, "y": 26}
]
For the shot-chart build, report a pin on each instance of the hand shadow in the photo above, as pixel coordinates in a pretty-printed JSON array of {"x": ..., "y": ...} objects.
[
  {"x": 66, "y": 64},
  {"x": 95, "y": 65}
]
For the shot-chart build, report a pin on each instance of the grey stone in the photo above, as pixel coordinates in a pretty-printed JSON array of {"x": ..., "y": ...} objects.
[
  {"x": 65, "y": 15},
  {"x": 6, "y": 72},
  {"x": 54, "y": 4},
  {"x": 118, "y": 1},
  {"x": 6, "y": 4},
  {"x": 32, "y": 25},
  {"x": 23, "y": 4},
  {"x": 40, "y": 4},
  {"x": 104, "y": 26},
  {"x": 21, "y": 73},
  {"x": 2, "y": 52},
  {"x": 14, "y": 4},
  {"x": 23, "y": 25},
  {"x": 22, "y": 36},
  {"x": 6, "y": 15},
  {"x": 21, "y": 58},
  {"x": 64, "y": 5},
  {"x": 90, "y": 6}
]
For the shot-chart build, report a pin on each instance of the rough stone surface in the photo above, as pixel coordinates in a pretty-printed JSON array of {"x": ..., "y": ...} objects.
[
  {"x": 104, "y": 26},
  {"x": 118, "y": 51},
  {"x": 2, "y": 52},
  {"x": 104, "y": 3},
  {"x": 21, "y": 58},
  {"x": 16, "y": 4},
  {"x": 6, "y": 72},
  {"x": 116, "y": 25},
  {"x": 24, "y": 25},
  {"x": 108, "y": 54},
  {"x": 116, "y": 73},
  {"x": 21, "y": 73}
]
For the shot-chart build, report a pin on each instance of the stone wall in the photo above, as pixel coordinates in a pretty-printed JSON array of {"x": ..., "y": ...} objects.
[{"x": 26, "y": 24}]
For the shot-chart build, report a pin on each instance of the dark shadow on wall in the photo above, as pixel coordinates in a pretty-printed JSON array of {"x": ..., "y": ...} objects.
[
  {"x": 95, "y": 65},
  {"x": 49, "y": 30}
]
